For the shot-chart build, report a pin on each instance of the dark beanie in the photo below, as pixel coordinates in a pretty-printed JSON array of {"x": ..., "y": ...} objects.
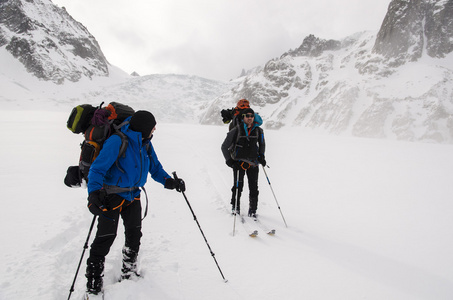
[
  {"x": 142, "y": 121},
  {"x": 247, "y": 111}
]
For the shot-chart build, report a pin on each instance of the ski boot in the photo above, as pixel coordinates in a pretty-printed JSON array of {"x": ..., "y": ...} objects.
[{"x": 235, "y": 211}]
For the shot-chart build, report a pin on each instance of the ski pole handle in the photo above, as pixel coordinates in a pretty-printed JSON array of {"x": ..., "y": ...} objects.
[{"x": 181, "y": 186}]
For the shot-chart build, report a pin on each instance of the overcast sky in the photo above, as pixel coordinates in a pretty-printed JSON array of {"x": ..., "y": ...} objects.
[{"x": 215, "y": 39}]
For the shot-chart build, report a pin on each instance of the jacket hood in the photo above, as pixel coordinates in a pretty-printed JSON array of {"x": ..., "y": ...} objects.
[{"x": 257, "y": 122}]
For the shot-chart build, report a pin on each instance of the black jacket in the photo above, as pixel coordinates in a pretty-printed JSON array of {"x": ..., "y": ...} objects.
[{"x": 244, "y": 144}]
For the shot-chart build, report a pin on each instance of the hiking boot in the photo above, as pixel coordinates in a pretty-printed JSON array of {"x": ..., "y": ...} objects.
[
  {"x": 90, "y": 296},
  {"x": 130, "y": 276},
  {"x": 94, "y": 285},
  {"x": 94, "y": 274},
  {"x": 129, "y": 268}
]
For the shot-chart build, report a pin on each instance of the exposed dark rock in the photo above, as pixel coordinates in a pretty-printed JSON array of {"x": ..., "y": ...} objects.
[
  {"x": 49, "y": 42},
  {"x": 412, "y": 27}
]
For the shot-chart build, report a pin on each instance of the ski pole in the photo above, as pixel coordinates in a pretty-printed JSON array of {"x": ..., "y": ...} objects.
[
  {"x": 85, "y": 246},
  {"x": 236, "y": 200},
  {"x": 278, "y": 205},
  {"x": 195, "y": 218}
]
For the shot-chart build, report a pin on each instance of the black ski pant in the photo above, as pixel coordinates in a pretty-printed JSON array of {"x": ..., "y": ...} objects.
[
  {"x": 252, "y": 177},
  {"x": 131, "y": 213}
]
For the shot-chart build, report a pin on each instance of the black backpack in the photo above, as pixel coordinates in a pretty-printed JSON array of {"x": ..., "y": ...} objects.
[{"x": 97, "y": 124}]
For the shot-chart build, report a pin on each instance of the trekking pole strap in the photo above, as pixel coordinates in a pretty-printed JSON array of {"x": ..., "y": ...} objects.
[{"x": 146, "y": 207}]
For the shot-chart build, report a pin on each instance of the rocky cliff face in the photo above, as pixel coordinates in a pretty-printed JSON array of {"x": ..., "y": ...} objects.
[
  {"x": 49, "y": 42},
  {"x": 395, "y": 84},
  {"x": 411, "y": 28}
]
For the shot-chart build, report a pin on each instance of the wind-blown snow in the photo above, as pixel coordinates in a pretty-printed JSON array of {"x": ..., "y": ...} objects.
[{"x": 368, "y": 219}]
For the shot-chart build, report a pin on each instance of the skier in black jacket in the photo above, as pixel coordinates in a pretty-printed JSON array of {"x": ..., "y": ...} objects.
[{"x": 243, "y": 149}]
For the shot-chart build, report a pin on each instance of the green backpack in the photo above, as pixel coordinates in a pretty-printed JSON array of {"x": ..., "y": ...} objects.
[{"x": 97, "y": 124}]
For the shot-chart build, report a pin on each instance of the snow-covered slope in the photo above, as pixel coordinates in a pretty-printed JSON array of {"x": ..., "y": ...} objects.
[
  {"x": 396, "y": 83},
  {"x": 171, "y": 98},
  {"x": 368, "y": 219},
  {"x": 350, "y": 90},
  {"x": 49, "y": 42}
]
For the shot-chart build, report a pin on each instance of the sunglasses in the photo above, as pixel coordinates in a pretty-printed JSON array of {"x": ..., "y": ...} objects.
[{"x": 248, "y": 116}]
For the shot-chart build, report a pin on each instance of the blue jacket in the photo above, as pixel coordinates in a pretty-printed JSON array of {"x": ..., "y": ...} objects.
[{"x": 140, "y": 158}]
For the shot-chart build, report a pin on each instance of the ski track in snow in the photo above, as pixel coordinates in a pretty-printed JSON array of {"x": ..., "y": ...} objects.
[{"x": 368, "y": 219}]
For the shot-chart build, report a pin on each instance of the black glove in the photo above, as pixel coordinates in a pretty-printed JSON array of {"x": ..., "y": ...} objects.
[
  {"x": 180, "y": 185},
  {"x": 177, "y": 184},
  {"x": 230, "y": 162},
  {"x": 96, "y": 202},
  {"x": 262, "y": 160},
  {"x": 73, "y": 177},
  {"x": 227, "y": 115},
  {"x": 233, "y": 163}
]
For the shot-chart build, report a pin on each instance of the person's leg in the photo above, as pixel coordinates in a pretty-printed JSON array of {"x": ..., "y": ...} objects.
[
  {"x": 237, "y": 189},
  {"x": 105, "y": 235},
  {"x": 132, "y": 220},
  {"x": 252, "y": 176}
]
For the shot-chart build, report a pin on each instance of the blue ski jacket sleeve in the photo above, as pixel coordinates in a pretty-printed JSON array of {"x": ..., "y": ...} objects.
[
  {"x": 155, "y": 168},
  {"x": 128, "y": 171}
]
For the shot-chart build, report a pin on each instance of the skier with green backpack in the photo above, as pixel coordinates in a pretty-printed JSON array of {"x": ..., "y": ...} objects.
[{"x": 114, "y": 180}]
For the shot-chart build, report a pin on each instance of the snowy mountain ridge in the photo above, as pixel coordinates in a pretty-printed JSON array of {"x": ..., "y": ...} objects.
[
  {"x": 171, "y": 97},
  {"x": 395, "y": 83},
  {"x": 50, "y": 61},
  {"x": 49, "y": 42}
]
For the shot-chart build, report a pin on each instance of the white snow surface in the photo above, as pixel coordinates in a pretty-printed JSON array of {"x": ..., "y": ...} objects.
[{"x": 367, "y": 219}]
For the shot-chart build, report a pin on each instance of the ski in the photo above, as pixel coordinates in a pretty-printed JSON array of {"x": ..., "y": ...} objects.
[
  {"x": 254, "y": 233},
  {"x": 247, "y": 227},
  {"x": 263, "y": 227}
]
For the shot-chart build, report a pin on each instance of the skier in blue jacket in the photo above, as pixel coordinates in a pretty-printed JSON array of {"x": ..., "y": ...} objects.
[{"x": 114, "y": 190}]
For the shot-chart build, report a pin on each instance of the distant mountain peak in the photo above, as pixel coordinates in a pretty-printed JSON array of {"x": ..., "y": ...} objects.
[
  {"x": 412, "y": 27},
  {"x": 314, "y": 46},
  {"x": 49, "y": 42}
]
